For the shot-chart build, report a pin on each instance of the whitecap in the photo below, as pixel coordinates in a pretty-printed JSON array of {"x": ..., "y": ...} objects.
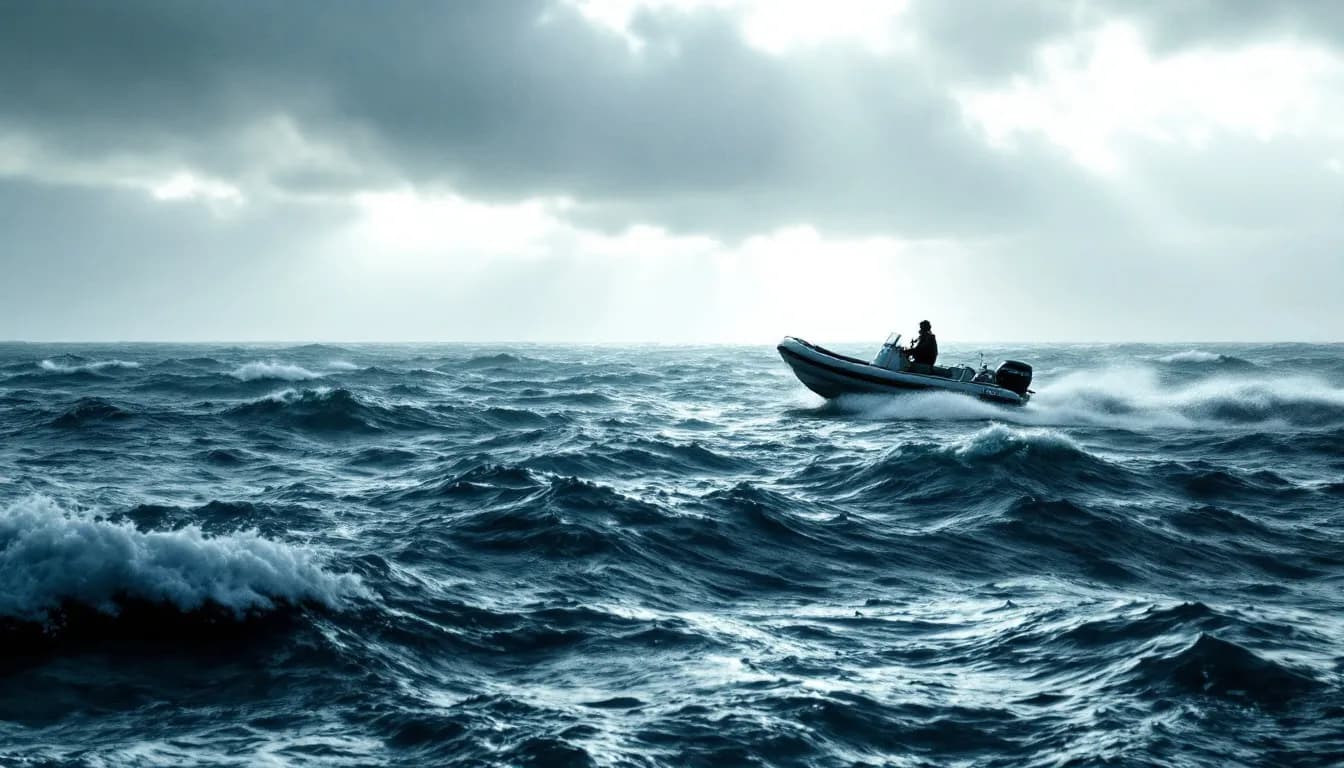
[
  {"x": 50, "y": 555},
  {"x": 1190, "y": 356},
  {"x": 999, "y": 438},
  {"x": 273, "y": 370},
  {"x": 98, "y": 365}
]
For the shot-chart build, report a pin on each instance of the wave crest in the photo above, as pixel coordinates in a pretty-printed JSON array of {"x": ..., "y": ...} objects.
[
  {"x": 258, "y": 370},
  {"x": 320, "y": 409},
  {"x": 50, "y": 556},
  {"x": 999, "y": 440},
  {"x": 89, "y": 410},
  {"x": 1214, "y": 667},
  {"x": 1198, "y": 357},
  {"x": 74, "y": 365}
]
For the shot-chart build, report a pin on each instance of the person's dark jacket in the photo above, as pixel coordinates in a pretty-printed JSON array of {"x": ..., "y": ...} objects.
[{"x": 925, "y": 349}]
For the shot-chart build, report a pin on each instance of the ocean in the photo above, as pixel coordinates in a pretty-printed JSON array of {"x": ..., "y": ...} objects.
[{"x": 532, "y": 555}]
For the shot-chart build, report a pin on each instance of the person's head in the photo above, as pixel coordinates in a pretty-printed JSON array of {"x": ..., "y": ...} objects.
[{"x": 925, "y": 326}]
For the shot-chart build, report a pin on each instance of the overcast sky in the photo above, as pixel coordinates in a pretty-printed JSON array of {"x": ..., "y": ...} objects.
[{"x": 664, "y": 170}]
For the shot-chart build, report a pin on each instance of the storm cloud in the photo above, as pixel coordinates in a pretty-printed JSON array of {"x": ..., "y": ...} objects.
[{"x": 240, "y": 145}]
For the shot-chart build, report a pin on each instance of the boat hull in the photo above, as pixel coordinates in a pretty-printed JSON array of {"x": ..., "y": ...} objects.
[{"x": 831, "y": 375}]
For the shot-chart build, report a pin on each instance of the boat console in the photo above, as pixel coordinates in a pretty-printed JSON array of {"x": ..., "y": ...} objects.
[{"x": 890, "y": 355}]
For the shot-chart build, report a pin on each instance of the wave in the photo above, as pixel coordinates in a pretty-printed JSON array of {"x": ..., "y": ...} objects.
[
  {"x": 315, "y": 348},
  {"x": 1205, "y": 481},
  {"x": 221, "y": 517},
  {"x": 486, "y": 479},
  {"x": 1113, "y": 542},
  {"x": 1211, "y": 666},
  {"x": 497, "y": 416},
  {"x": 273, "y": 370},
  {"x": 1153, "y": 623},
  {"x": 1190, "y": 356},
  {"x": 87, "y": 411},
  {"x": 492, "y": 361},
  {"x": 66, "y": 365},
  {"x": 510, "y": 509},
  {"x": 987, "y": 463},
  {"x": 1195, "y": 358},
  {"x": 321, "y": 409},
  {"x": 343, "y": 365},
  {"x": 998, "y": 440},
  {"x": 579, "y": 398},
  {"x": 563, "y": 517},
  {"x": 1061, "y": 535},
  {"x": 226, "y": 457},
  {"x": 739, "y": 543},
  {"x": 51, "y": 556},
  {"x": 641, "y": 456}
]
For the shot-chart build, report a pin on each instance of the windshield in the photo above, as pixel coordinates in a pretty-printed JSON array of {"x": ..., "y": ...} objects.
[{"x": 892, "y": 338}]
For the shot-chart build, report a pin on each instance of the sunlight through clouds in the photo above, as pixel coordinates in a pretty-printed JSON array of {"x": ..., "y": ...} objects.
[
  {"x": 774, "y": 26},
  {"x": 408, "y": 224},
  {"x": 1091, "y": 94},
  {"x": 188, "y": 186}
]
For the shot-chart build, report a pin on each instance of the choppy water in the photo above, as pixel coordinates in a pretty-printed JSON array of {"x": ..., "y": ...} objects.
[{"x": 412, "y": 555}]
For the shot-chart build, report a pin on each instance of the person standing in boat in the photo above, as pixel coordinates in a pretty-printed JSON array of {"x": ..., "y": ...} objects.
[{"x": 923, "y": 351}]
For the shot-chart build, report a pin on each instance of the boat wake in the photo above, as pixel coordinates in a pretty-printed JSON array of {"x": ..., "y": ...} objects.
[{"x": 1133, "y": 399}]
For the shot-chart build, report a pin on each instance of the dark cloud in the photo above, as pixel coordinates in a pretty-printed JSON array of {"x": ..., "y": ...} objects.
[
  {"x": 696, "y": 131},
  {"x": 1172, "y": 26},
  {"x": 996, "y": 39},
  {"x": 505, "y": 100}
]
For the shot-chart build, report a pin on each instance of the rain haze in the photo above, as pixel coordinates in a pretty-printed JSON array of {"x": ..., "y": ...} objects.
[{"x": 671, "y": 171}]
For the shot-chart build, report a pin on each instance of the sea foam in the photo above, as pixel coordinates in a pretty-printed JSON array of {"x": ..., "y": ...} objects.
[
  {"x": 50, "y": 556},
  {"x": 1190, "y": 356},
  {"x": 1132, "y": 398},
  {"x": 998, "y": 439},
  {"x": 98, "y": 365},
  {"x": 255, "y": 371}
]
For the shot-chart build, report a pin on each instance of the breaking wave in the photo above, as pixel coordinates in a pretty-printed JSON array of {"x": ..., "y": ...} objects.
[
  {"x": 51, "y": 556},
  {"x": 273, "y": 370},
  {"x": 1196, "y": 357},
  {"x": 998, "y": 440},
  {"x": 67, "y": 366},
  {"x": 322, "y": 409}
]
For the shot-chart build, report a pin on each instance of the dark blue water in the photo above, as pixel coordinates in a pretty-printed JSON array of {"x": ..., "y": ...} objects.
[{"x": 517, "y": 555}]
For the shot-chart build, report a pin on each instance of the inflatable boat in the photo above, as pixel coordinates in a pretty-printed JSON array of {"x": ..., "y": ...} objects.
[{"x": 831, "y": 374}]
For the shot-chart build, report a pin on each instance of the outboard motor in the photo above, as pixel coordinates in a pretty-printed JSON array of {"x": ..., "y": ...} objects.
[{"x": 1013, "y": 375}]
